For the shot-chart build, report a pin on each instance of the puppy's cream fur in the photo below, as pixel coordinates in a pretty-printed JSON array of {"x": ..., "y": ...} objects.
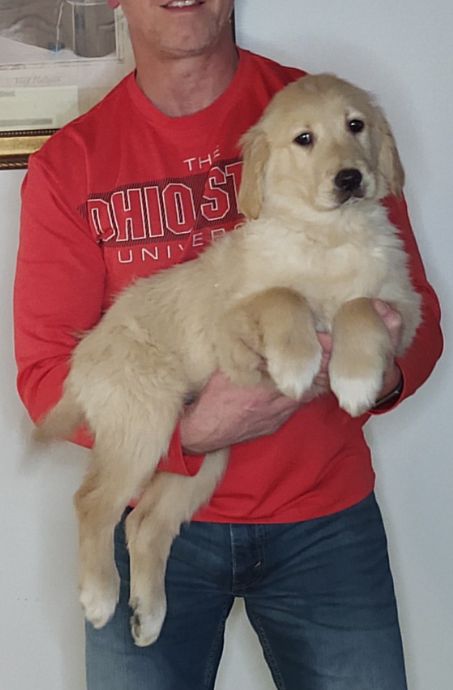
[{"x": 310, "y": 257}]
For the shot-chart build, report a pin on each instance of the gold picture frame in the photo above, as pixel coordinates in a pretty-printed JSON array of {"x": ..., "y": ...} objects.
[{"x": 17, "y": 146}]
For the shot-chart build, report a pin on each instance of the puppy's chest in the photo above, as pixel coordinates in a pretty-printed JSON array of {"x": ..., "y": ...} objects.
[
  {"x": 337, "y": 271},
  {"x": 342, "y": 275},
  {"x": 328, "y": 276}
]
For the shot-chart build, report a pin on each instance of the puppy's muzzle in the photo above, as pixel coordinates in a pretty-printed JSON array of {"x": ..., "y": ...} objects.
[{"x": 348, "y": 183}]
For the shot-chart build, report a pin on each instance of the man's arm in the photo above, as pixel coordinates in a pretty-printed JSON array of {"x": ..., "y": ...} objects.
[
  {"x": 411, "y": 370},
  {"x": 59, "y": 286}
]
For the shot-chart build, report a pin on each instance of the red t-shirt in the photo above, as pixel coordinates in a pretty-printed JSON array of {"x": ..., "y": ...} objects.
[{"x": 125, "y": 191}]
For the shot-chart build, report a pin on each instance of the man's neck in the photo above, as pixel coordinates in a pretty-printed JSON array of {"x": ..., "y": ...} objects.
[{"x": 182, "y": 86}]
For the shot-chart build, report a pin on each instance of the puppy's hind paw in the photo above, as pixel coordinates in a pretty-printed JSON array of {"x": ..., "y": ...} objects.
[
  {"x": 146, "y": 627},
  {"x": 99, "y": 602}
]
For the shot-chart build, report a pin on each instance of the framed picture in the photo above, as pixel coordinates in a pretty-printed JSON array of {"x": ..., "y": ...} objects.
[{"x": 57, "y": 59}]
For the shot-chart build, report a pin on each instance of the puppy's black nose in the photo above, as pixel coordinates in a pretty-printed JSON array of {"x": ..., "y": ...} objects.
[{"x": 348, "y": 179}]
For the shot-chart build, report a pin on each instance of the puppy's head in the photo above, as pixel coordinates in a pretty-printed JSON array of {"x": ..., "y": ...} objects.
[{"x": 321, "y": 142}]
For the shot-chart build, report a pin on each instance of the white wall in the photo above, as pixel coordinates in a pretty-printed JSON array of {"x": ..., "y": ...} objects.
[{"x": 401, "y": 51}]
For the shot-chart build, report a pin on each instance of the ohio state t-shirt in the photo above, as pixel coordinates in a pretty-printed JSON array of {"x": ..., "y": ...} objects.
[{"x": 125, "y": 191}]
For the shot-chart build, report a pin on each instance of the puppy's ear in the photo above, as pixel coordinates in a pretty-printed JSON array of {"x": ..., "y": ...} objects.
[
  {"x": 255, "y": 149},
  {"x": 389, "y": 162}
]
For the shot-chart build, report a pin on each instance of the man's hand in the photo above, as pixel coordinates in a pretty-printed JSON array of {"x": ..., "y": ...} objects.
[
  {"x": 225, "y": 414},
  {"x": 393, "y": 322}
]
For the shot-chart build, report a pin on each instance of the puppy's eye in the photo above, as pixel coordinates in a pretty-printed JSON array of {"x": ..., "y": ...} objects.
[
  {"x": 356, "y": 125},
  {"x": 304, "y": 139}
]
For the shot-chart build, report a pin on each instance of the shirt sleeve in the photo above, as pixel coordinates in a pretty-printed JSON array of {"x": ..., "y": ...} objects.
[
  {"x": 59, "y": 286},
  {"x": 59, "y": 294},
  {"x": 421, "y": 357},
  {"x": 177, "y": 461}
]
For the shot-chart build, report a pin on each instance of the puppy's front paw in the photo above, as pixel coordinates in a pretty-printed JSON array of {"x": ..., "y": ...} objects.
[
  {"x": 99, "y": 599},
  {"x": 356, "y": 395},
  {"x": 361, "y": 346},
  {"x": 293, "y": 370},
  {"x": 356, "y": 378}
]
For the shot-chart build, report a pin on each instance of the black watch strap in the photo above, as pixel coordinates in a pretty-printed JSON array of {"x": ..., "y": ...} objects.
[{"x": 390, "y": 397}]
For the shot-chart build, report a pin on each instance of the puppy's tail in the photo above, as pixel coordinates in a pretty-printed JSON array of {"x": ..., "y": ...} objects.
[{"x": 60, "y": 421}]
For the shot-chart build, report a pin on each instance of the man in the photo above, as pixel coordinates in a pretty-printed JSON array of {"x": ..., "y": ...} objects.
[{"x": 142, "y": 182}]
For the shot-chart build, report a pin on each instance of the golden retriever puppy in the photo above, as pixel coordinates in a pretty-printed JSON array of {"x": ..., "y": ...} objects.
[{"x": 316, "y": 248}]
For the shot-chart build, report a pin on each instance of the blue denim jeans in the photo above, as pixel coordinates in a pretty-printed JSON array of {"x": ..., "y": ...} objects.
[{"x": 319, "y": 595}]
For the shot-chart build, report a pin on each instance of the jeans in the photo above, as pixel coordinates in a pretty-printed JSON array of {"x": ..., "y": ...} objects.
[{"x": 319, "y": 595}]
